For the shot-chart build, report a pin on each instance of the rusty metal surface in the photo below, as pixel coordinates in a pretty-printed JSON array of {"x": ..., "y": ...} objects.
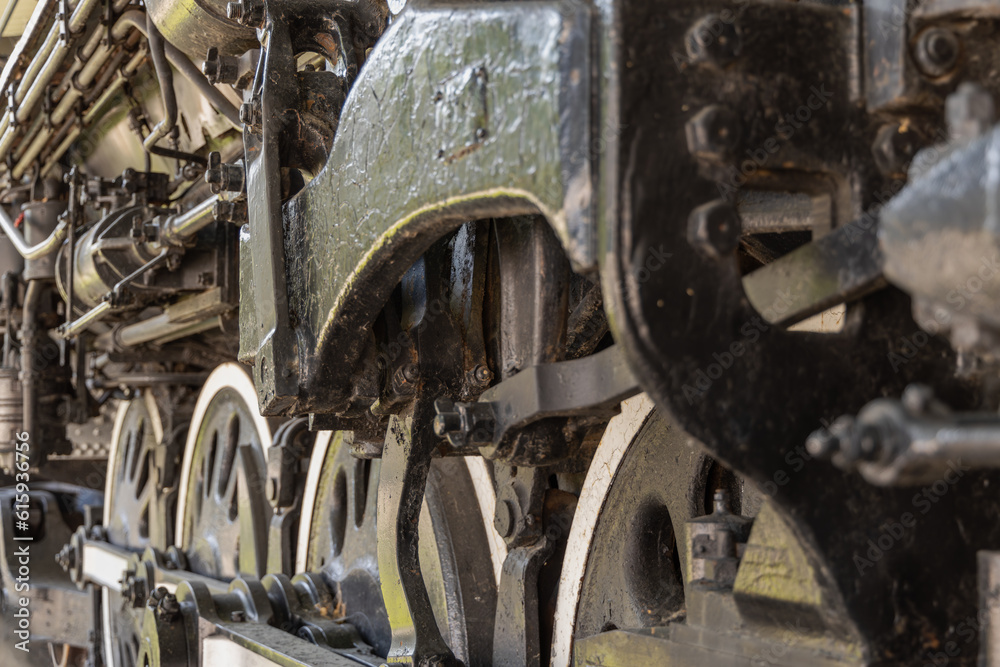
[{"x": 424, "y": 145}]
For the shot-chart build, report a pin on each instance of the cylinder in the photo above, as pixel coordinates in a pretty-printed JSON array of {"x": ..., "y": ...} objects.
[{"x": 40, "y": 218}]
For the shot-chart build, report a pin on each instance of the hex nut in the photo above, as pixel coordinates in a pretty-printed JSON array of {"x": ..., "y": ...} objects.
[
  {"x": 713, "y": 133},
  {"x": 713, "y": 39},
  {"x": 714, "y": 229}
]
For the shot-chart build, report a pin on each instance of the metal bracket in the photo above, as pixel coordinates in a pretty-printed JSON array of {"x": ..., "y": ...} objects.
[
  {"x": 275, "y": 360},
  {"x": 592, "y": 385}
]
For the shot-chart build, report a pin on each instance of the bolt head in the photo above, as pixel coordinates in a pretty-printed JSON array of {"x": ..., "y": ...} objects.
[
  {"x": 234, "y": 11},
  {"x": 937, "y": 52},
  {"x": 411, "y": 372},
  {"x": 822, "y": 444},
  {"x": 713, "y": 133},
  {"x": 713, "y": 40},
  {"x": 249, "y": 13},
  {"x": 482, "y": 374},
  {"x": 246, "y": 113},
  {"x": 714, "y": 229},
  {"x": 154, "y": 598},
  {"x": 168, "y": 608},
  {"x": 918, "y": 398}
]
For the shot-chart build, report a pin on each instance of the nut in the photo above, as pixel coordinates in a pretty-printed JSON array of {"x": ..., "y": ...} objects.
[
  {"x": 249, "y": 13},
  {"x": 713, "y": 133},
  {"x": 714, "y": 229},
  {"x": 713, "y": 39},
  {"x": 220, "y": 68}
]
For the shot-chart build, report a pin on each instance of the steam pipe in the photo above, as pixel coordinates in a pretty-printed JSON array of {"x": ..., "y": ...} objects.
[
  {"x": 178, "y": 228},
  {"x": 188, "y": 69},
  {"x": 38, "y": 250},
  {"x": 78, "y": 19},
  {"x": 165, "y": 75},
  {"x": 152, "y": 329},
  {"x": 88, "y": 117}
]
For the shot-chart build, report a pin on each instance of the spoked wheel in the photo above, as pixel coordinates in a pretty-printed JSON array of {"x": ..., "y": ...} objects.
[
  {"x": 222, "y": 511},
  {"x": 131, "y": 515},
  {"x": 623, "y": 565},
  {"x": 338, "y": 537}
]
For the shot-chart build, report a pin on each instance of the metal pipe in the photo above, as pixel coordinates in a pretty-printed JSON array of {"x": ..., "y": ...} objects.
[
  {"x": 52, "y": 160},
  {"x": 84, "y": 78},
  {"x": 8, "y": 11},
  {"x": 40, "y": 70},
  {"x": 77, "y": 20},
  {"x": 165, "y": 76},
  {"x": 80, "y": 324},
  {"x": 149, "y": 380},
  {"x": 38, "y": 250},
  {"x": 155, "y": 328},
  {"x": 189, "y": 70},
  {"x": 179, "y": 228},
  {"x": 98, "y": 312},
  {"x": 32, "y": 131},
  {"x": 31, "y": 83},
  {"x": 190, "y": 329},
  {"x": 37, "y": 24}
]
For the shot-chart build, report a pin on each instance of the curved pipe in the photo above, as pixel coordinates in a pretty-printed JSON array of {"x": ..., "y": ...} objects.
[
  {"x": 165, "y": 75},
  {"x": 190, "y": 71},
  {"x": 39, "y": 249}
]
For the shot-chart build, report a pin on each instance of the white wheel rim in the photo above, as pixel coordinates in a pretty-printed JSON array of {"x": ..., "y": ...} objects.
[
  {"x": 320, "y": 448},
  {"x": 232, "y": 376},
  {"x": 621, "y": 431}
]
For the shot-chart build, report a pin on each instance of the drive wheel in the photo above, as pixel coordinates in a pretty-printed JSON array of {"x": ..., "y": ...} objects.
[
  {"x": 338, "y": 537},
  {"x": 624, "y": 563},
  {"x": 222, "y": 512},
  {"x": 135, "y": 510}
]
